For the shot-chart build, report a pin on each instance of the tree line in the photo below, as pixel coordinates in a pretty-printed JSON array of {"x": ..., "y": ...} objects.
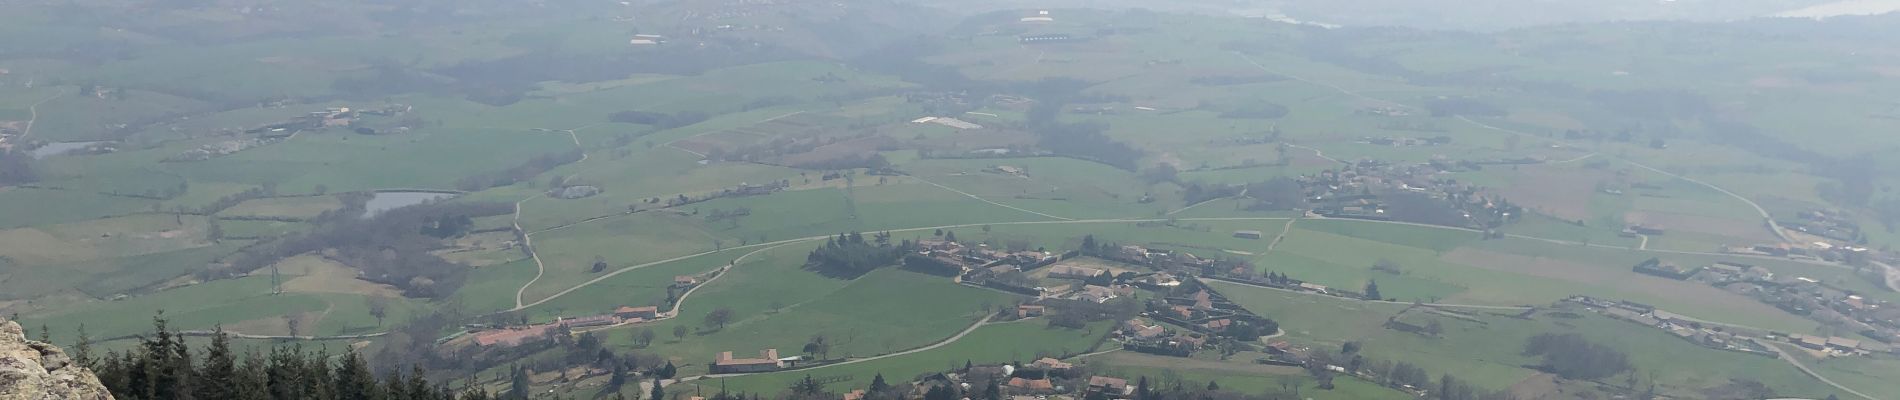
[
  {"x": 163, "y": 367},
  {"x": 393, "y": 248},
  {"x": 527, "y": 170}
]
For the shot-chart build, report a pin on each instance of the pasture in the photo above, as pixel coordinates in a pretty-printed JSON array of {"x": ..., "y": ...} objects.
[{"x": 1486, "y": 351}]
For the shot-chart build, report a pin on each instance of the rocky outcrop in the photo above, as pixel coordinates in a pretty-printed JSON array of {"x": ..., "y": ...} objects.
[{"x": 32, "y": 370}]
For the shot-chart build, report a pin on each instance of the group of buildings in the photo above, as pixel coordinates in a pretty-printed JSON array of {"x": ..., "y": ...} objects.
[
  {"x": 1706, "y": 335},
  {"x": 511, "y": 336},
  {"x": 516, "y": 335},
  {"x": 1046, "y": 378},
  {"x": 1811, "y": 298},
  {"x": 1362, "y": 190}
]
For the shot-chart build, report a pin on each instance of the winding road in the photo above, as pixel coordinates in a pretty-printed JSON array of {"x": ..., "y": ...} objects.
[
  {"x": 34, "y": 112},
  {"x": 1804, "y": 369},
  {"x": 527, "y": 239}
]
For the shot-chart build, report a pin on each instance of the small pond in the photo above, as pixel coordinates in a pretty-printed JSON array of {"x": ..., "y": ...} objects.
[{"x": 54, "y": 149}]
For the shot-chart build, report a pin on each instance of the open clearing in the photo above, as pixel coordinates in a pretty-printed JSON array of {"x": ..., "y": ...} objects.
[{"x": 322, "y": 275}]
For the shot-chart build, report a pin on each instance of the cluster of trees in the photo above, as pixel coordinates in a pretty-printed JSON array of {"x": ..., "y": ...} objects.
[
  {"x": 266, "y": 190},
  {"x": 658, "y": 119},
  {"x": 1570, "y": 356},
  {"x": 393, "y": 248},
  {"x": 1424, "y": 209},
  {"x": 1197, "y": 192},
  {"x": 16, "y": 167},
  {"x": 1085, "y": 140},
  {"x": 163, "y": 366},
  {"x": 525, "y": 171},
  {"x": 850, "y": 255},
  {"x": 1276, "y": 194}
]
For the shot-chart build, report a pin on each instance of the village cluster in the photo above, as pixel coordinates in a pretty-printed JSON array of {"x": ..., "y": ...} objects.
[
  {"x": 1837, "y": 308},
  {"x": 1366, "y": 189}
]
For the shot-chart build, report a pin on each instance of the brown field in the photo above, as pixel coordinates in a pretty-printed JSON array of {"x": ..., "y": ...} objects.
[
  {"x": 320, "y": 275},
  {"x": 1560, "y": 192},
  {"x": 1750, "y": 230},
  {"x": 1535, "y": 266}
]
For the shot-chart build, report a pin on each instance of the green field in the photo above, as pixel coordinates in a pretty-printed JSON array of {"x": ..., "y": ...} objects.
[
  {"x": 1487, "y": 353},
  {"x": 227, "y": 139}
]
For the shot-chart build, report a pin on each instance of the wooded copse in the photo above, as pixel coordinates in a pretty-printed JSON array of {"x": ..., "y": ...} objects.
[
  {"x": 849, "y": 254},
  {"x": 1572, "y": 357},
  {"x": 392, "y": 248}
]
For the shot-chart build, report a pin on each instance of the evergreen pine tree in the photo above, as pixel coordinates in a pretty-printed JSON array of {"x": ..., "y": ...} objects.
[
  {"x": 218, "y": 378},
  {"x": 878, "y": 384},
  {"x": 283, "y": 376},
  {"x": 82, "y": 350},
  {"x": 251, "y": 382},
  {"x": 419, "y": 385},
  {"x": 658, "y": 393},
  {"x": 518, "y": 384}
]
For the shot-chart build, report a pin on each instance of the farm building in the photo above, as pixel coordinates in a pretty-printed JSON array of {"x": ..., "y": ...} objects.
[
  {"x": 947, "y": 121},
  {"x": 1030, "y": 310},
  {"x": 591, "y": 320},
  {"x": 1247, "y": 234},
  {"x": 1108, "y": 386},
  {"x": 768, "y": 361},
  {"x": 647, "y": 312},
  {"x": 1041, "y": 16}
]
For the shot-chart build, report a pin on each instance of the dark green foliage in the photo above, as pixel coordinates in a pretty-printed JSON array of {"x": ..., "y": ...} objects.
[
  {"x": 525, "y": 171},
  {"x": 393, "y": 248},
  {"x": 16, "y": 167},
  {"x": 447, "y": 226},
  {"x": 850, "y": 255},
  {"x": 1572, "y": 357},
  {"x": 1372, "y": 290},
  {"x": 1276, "y": 194},
  {"x": 162, "y": 367}
]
